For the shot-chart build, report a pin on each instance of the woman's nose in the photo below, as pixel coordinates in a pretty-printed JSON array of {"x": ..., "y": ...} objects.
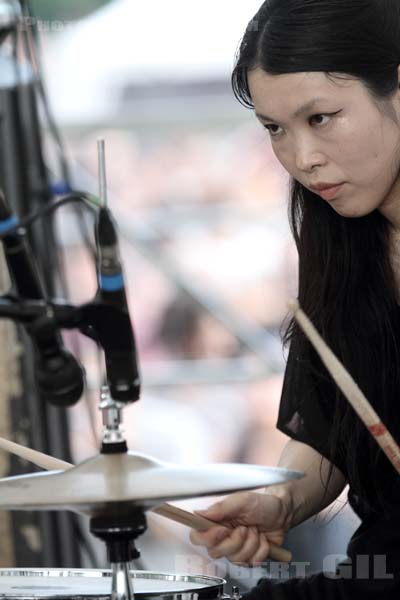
[{"x": 308, "y": 156}]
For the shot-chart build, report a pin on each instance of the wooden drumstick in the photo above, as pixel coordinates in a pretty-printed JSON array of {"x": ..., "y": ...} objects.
[
  {"x": 166, "y": 510},
  {"x": 349, "y": 388},
  {"x": 38, "y": 458}
]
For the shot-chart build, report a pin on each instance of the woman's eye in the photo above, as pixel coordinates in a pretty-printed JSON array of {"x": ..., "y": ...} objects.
[
  {"x": 270, "y": 129},
  {"x": 320, "y": 119},
  {"x": 315, "y": 117},
  {"x": 274, "y": 130}
]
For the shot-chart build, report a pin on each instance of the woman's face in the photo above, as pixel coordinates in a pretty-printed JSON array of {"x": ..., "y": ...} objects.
[{"x": 343, "y": 137}]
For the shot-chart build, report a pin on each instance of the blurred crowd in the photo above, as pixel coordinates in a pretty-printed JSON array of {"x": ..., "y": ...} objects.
[{"x": 214, "y": 208}]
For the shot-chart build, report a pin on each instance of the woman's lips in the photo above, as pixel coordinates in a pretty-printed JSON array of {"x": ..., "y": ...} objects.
[{"x": 330, "y": 193}]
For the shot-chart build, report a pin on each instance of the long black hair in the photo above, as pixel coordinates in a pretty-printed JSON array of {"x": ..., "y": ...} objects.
[{"x": 346, "y": 281}]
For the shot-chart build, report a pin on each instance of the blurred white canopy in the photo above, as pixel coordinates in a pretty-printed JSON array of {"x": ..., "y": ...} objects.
[{"x": 137, "y": 42}]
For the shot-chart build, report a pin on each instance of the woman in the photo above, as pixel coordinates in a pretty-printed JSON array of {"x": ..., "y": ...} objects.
[{"x": 323, "y": 77}]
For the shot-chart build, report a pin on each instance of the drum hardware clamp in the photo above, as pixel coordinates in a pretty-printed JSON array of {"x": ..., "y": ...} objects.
[
  {"x": 111, "y": 410},
  {"x": 119, "y": 533}
]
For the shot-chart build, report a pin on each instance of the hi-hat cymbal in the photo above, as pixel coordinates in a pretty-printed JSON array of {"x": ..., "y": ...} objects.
[{"x": 131, "y": 478}]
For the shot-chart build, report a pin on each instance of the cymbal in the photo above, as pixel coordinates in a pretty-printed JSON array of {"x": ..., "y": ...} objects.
[{"x": 133, "y": 479}]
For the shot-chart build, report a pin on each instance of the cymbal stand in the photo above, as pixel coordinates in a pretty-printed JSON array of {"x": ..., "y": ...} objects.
[{"x": 122, "y": 524}]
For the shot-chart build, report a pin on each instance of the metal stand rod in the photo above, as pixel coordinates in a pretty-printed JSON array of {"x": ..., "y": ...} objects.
[
  {"x": 102, "y": 171},
  {"x": 122, "y": 588}
]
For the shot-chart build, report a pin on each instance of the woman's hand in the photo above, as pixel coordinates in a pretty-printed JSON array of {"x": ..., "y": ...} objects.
[{"x": 255, "y": 519}]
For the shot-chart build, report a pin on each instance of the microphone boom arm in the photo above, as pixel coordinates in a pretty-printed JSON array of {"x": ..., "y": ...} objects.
[{"x": 95, "y": 320}]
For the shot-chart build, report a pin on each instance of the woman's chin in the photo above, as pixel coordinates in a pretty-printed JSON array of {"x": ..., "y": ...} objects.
[{"x": 350, "y": 212}]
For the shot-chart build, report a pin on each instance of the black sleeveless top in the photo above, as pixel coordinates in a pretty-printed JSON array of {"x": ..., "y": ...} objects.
[{"x": 306, "y": 414}]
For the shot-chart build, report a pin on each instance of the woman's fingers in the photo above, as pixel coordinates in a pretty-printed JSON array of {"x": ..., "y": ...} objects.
[
  {"x": 230, "y": 545},
  {"x": 250, "y": 546},
  {"x": 210, "y": 538},
  {"x": 262, "y": 553}
]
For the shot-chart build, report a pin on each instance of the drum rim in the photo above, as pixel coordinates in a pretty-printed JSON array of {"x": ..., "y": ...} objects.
[{"x": 208, "y": 580}]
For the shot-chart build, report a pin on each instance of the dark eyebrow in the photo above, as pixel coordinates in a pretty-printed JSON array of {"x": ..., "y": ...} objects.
[{"x": 304, "y": 108}]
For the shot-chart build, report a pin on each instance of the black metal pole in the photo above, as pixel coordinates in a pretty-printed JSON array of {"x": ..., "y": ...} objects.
[{"x": 23, "y": 177}]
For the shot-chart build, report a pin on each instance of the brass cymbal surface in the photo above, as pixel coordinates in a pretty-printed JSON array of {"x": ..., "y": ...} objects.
[{"x": 133, "y": 479}]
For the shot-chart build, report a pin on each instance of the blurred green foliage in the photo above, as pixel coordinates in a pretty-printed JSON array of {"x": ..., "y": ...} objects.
[{"x": 65, "y": 10}]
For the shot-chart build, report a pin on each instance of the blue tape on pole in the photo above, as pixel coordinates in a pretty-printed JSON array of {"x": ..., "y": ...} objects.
[
  {"x": 59, "y": 188},
  {"x": 7, "y": 224},
  {"x": 111, "y": 284}
]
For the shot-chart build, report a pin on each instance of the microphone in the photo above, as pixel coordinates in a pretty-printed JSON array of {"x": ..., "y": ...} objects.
[
  {"x": 116, "y": 331},
  {"x": 59, "y": 376}
]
